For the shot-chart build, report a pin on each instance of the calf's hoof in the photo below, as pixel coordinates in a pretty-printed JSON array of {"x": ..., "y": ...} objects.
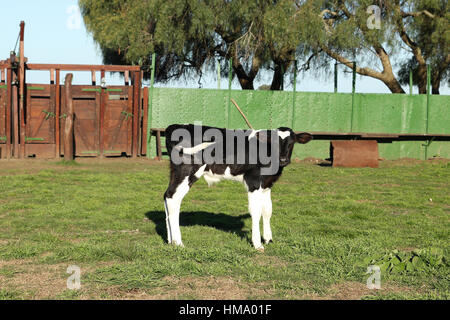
[{"x": 178, "y": 244}]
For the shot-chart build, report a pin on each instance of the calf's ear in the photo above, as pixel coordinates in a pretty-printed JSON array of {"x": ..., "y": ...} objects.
[{"x": 303, "y": 137}]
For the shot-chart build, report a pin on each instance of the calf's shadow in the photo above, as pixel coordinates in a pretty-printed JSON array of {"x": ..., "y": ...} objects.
[{"x": 220, "y": 221}]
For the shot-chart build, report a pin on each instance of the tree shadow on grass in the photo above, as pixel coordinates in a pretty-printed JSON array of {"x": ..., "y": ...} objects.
[{"x": 220, "y": 221}]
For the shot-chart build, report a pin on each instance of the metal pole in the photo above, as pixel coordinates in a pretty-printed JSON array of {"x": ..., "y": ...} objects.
[
  {"x": 354, "y": 77},
  {"x": 22, "y": 90},
  {"x": 293, "y": 94},
  {"x": 353, "y": 95},
  {"x": 150, "y": 99},
  {"x": 335, "y": 77},
  {"x": 230, "y": 79},
  {"x": 428, "y": 108}
]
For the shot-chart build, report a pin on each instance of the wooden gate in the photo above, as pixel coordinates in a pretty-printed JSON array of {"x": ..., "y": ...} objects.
[
  {"x": 107, "y": 120},
  {"x": 118, "y": 120},
  {"x": 103, "y": 120},
  {"x": 40, "y": 120},
  {"x": 86, "y": 104}
]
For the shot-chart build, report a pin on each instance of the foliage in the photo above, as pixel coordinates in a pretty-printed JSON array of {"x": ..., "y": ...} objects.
[
  {"x": 421, "y": 260},
  {"x": 416, "y": 27},
  {"x": 190, "y": 36}
]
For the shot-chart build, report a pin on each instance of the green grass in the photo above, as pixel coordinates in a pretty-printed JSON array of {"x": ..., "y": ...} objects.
[{"x": 107, "y": 217}]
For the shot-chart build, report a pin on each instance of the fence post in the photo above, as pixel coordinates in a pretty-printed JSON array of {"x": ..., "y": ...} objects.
[
  {"x": 293, "y": 93},
  {"x": 335, "y": 77},
  {"x": 150, "y": 99},
  {"x": 22, "y": 90},
  {"x": 230, "y": 79},
  {"x": 428, "y": 108},
  {"x": 353, "y": 95},
  {"x": 68, "y": 129},
  {"x": 9, "y": 115}
]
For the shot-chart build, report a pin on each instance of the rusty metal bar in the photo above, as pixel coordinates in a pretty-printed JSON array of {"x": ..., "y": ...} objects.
[
  {"x": 81, "y": 67},
  {"x": 22, "y": 89},
  {"x": 57, "y": 116},
  {"x": 136, "y": 100},
  {"x": 9, "y": 77}
]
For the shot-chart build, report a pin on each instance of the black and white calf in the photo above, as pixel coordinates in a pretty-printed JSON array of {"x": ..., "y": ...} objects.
[{"x": 254, "y": 158}]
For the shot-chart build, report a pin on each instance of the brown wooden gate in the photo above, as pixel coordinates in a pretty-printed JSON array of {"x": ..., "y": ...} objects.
[
  {"x": 103, "y": 120},
  {"x": 40, "y": 120},
  {"x": 107, "y": 120},
  {"x": 86, "y": 103},
  {"x": 118, "y": 120}
]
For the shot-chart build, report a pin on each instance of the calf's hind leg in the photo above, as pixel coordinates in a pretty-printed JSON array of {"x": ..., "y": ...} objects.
[
  {"x": 266, "y": 215},
  {"x": 172, "y": 203}
]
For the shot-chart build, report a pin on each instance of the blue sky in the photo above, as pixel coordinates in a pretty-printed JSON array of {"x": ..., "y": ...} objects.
[{"x": 55, "y": 33}]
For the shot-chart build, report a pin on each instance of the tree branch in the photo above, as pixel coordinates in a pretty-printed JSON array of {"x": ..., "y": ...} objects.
[{"x": 416, "y": 14}]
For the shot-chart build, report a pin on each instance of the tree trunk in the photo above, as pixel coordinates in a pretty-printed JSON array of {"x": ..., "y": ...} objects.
[
  {"x": 246, "y": 84},
  {"x": 393, "y": 85},
  {"x": 278, "y": 77},
  {"x": 436, "y": 81},
  {"x": 422, "y": 78},
  {"x": 435, "y": 87},
  {"x": 245, "y": 80}
]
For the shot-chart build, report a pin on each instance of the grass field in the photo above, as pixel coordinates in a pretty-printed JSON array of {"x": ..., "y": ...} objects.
[{"x": 329, "y": 224}]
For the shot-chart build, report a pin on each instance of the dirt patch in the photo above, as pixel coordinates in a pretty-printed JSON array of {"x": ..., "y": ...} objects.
[
  {"x": 270, "y": 261},
  {"x": 204, "y": 288},
  {"x": 211, "y": 288},
  {"x": 357, "y": 290},
  {"x": 33, "y": 166},
  {"x": 40, "y": 281},
  {"x": 37, "y": 282}
]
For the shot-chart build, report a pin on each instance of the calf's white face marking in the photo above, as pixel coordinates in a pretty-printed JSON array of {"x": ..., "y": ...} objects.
[{"x": 284, "y": 134}]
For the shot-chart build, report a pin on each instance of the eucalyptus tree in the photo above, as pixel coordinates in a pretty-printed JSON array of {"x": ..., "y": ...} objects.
[
  {"x": 380, "y": 34},
  {"x": 190, "y": 35}
]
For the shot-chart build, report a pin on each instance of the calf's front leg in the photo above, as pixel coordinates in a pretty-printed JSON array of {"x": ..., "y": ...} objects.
[{"x": 255, "y": 208}]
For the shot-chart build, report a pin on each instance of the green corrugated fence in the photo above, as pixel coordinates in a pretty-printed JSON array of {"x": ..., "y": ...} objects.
[{"x": 314, "y": 111}]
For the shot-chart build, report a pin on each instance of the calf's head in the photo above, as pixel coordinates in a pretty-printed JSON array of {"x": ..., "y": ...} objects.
[{"x": 287, "y": 139}]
